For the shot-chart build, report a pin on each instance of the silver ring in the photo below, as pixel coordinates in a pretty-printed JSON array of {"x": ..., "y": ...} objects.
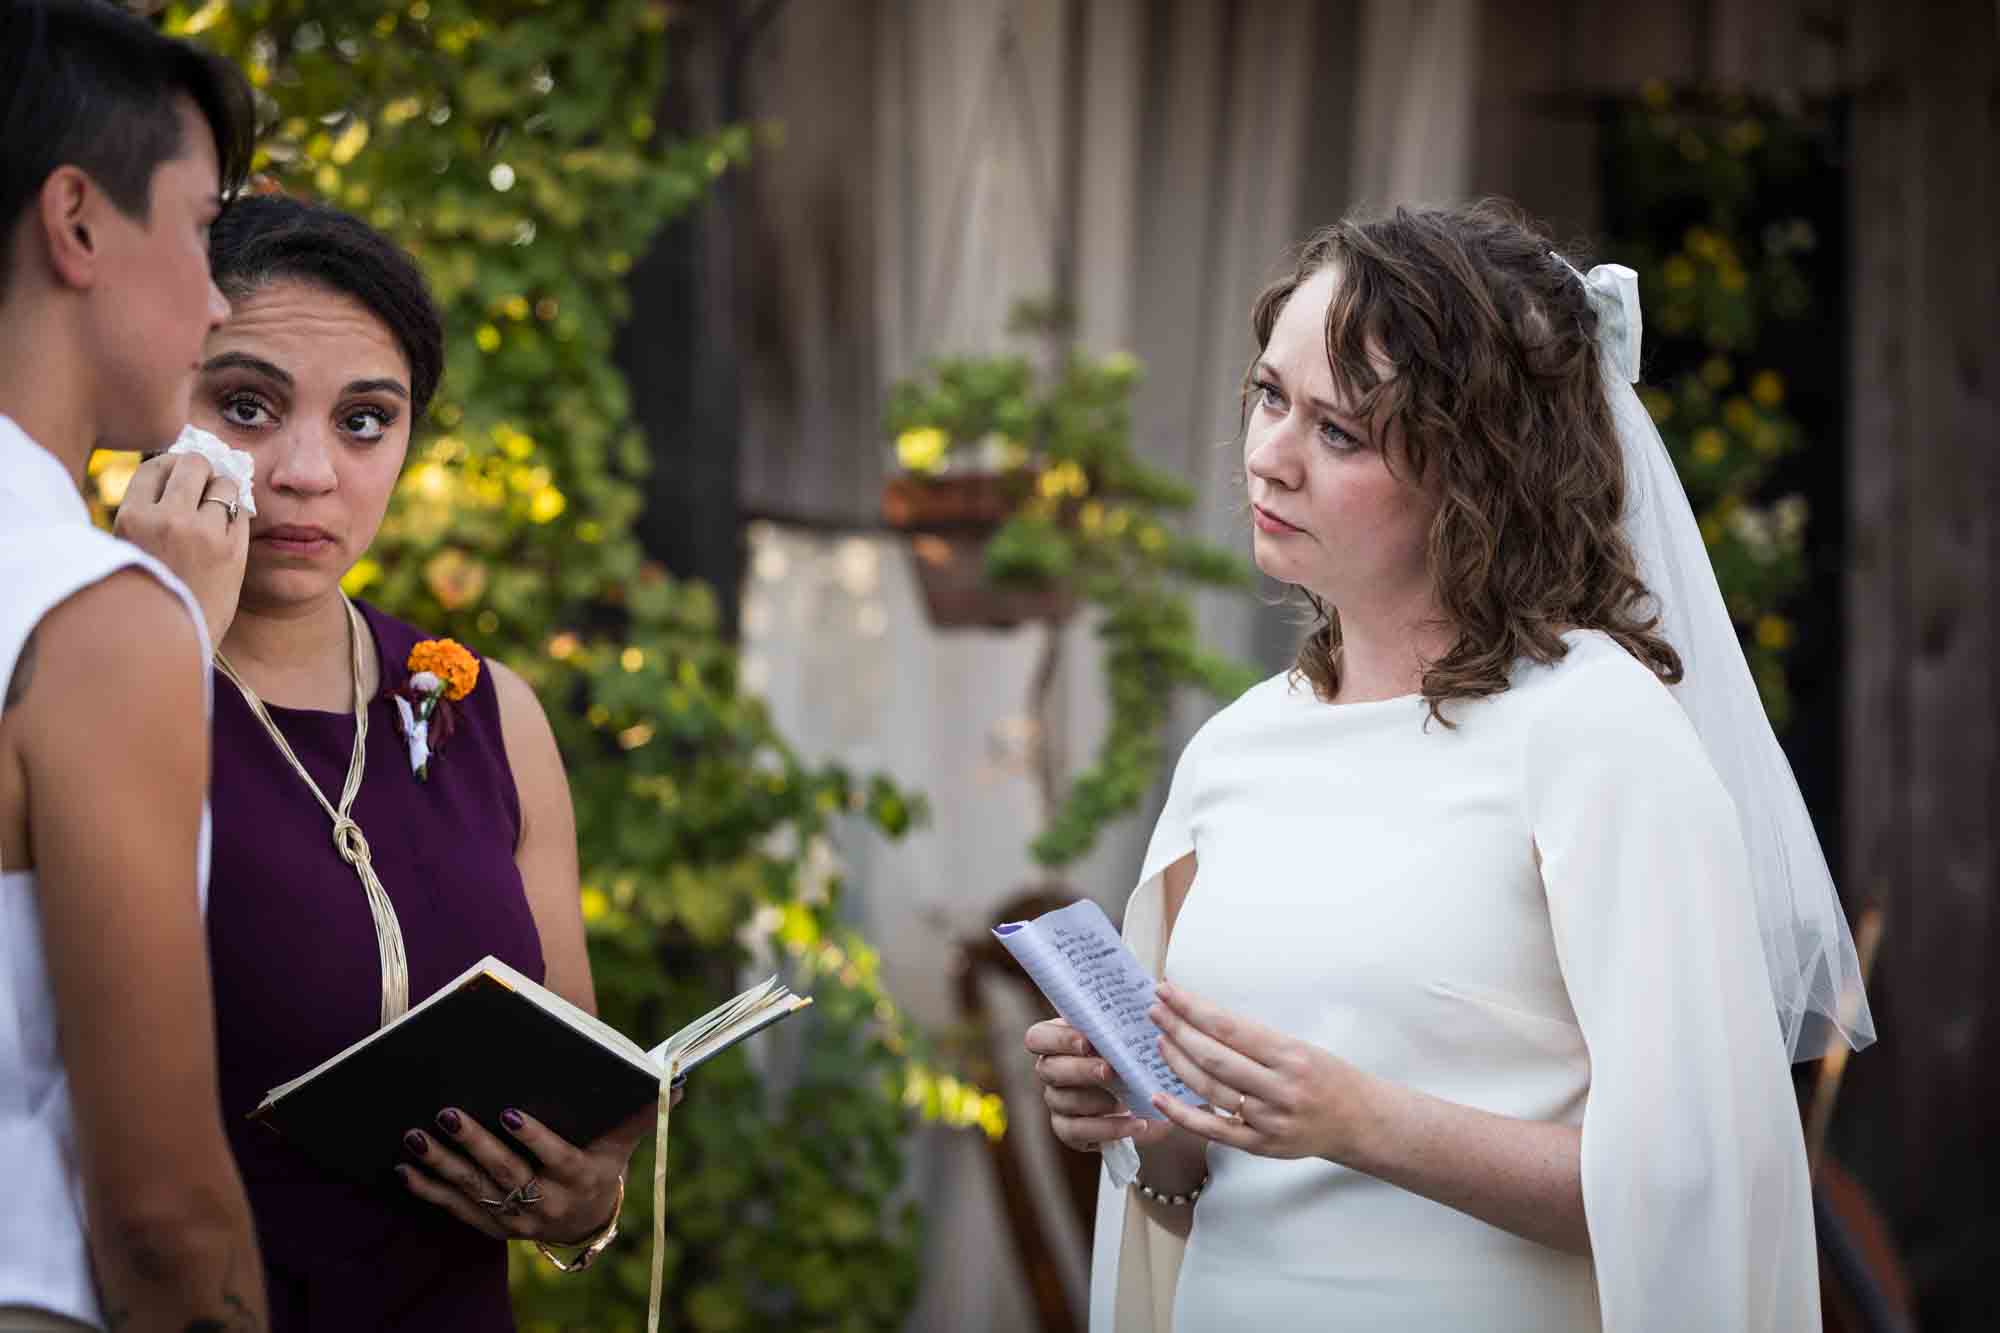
[
  {"x": 231, "y": 505},
  {"x": 523, "y": 1196}
]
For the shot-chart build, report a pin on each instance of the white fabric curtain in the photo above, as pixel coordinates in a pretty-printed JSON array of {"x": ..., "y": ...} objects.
[{"x": 924, "y": 142}]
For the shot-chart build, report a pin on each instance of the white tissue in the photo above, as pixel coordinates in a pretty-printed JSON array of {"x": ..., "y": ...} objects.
[{"x": 234, "y": 464}]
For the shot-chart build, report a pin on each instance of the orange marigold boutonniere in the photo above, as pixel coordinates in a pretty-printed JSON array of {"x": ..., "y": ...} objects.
[
  {"x": 442, "y": 672},
  {"x": 449, "y": 662}
]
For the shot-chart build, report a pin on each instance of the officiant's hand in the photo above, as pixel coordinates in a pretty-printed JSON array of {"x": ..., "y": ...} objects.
[
  {"x": 177, "y": 511},
  {"x": 1267, "y": 1093},
  {"x": 1076, "y": 1085},
  {"x": 485, "y": 1184}
]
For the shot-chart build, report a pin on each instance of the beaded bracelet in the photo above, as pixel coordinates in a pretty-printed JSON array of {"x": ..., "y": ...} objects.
[{"x": 1172, "y": 1200}]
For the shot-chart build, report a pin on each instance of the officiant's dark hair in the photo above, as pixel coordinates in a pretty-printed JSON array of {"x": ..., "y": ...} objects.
[
  {"x": 91, "y": 86},
  {"x": 1462, "y": 327},
  {"x": 266, "y": 238}
]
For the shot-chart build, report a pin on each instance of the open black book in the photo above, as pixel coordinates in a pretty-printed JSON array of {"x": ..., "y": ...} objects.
[{"x": 489, "y": 1040}]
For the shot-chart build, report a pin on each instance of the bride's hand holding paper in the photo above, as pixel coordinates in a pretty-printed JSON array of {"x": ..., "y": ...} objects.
[
  {"x": 1077, "y": 1086},
  {"x": 1266, "y": 1093}
]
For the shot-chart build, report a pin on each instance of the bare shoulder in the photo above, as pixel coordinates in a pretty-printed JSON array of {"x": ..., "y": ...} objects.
[
  {"x": 539, "y": 779},
  {"x": 125, "y": 638},
  {"x": 522, "y": 719},
  {"x": 115, "y": 668}
]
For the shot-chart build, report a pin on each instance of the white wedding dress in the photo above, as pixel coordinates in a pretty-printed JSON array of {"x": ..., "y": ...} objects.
[{"x": 1543, "y": 913}]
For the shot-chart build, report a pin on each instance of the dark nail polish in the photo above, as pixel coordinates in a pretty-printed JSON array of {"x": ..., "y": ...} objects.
[
  {"x": 511, "y": 1118},
  {"x": 449, "y": 1121},
  {"x": 416, "y": 1143}
]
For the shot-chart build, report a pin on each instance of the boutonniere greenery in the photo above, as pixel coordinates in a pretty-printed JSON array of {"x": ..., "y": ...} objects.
[{"x": 442, "y": 672}]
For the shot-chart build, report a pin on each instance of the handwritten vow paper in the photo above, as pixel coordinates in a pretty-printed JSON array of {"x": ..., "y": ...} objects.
[{"x": 1093, "y": 980}]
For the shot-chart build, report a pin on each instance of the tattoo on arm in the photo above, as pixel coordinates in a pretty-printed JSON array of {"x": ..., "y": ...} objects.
[
  {"x": 24, "y": 673},
  {"x": 237, "y": 1316}
]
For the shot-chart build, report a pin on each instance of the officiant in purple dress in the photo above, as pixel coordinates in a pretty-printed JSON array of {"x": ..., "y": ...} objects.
[{"x": 346, "y": 886}]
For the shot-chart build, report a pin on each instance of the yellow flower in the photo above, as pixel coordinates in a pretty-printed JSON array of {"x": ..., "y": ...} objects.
[
  {"x": 1774, "y": 633},
  {"x": 1065, "y": 478},
  {"x": 1740, "y": 416},
  {"x": 547, "y": 506},
  {"x": 1743, "y": 136},
  {"x": 595, "y": 904},
  {"x": 449, "y": 662},
  {"x": 922, "y": 449},
  {"x": 1679, "y": 272},
  {"x": 1768, "y": 388},
  {"x": 1709, "y": 446},
  {"x": 365, "y": 572},
  {"x": 1717, "y": 372},
  {"x": 350, "y": 143},
  {"x": 1732, "y": 278},
  {"x": 488, "y": 338}
]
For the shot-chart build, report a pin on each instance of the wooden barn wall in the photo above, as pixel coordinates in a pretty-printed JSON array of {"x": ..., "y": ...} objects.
[{"x": 1923, "y": 659}]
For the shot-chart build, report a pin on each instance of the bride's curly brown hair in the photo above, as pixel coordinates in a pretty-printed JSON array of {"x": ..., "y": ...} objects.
[{"x": 1463, "y": 327}]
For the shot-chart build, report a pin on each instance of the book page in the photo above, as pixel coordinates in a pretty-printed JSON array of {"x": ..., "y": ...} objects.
[
  {"x": 1076, "y": 958},
  {"x": 728, "y": 1023}
]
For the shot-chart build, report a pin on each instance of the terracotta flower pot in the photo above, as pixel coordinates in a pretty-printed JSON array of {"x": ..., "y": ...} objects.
[{"x": 949, "y": 521}]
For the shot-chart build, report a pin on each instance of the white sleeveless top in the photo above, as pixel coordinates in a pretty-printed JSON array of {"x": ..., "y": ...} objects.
[
  {"x": 1543, "y": 913},
  {"x": 48, "y": 552}
]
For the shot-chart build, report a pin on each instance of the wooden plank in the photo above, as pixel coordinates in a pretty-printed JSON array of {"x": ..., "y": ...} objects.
[
  {"x": 1535, "y": 132},
  {"x": 804, "y": 282},
  {"x": 1877, "y": 827},
  {"x": 1923, "y": 739},
  {"x": 1952, "y": 587}
]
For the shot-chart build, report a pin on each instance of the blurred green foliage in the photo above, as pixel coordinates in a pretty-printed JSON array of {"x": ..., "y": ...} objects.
[
  {"x": 1095, "y": 516},
  {"x": 510, "y": 145},
  {"x": 1711, "y": 209}
]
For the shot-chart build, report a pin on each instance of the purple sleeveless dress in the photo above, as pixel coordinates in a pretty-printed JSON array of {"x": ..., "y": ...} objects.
[{"x": 297, "y": 980}]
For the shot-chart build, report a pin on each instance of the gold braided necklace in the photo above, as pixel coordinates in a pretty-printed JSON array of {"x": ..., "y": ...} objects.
[{"x": 347, "y": 837}]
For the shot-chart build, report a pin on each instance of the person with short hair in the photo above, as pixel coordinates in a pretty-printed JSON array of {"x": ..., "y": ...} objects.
[
  {"x": 122, "y": 1207},
  {"x": 329, "y": 359},
  {"x": 1489, "y": 930}
]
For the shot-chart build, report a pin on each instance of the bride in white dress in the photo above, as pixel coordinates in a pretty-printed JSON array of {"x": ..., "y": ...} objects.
[{"x": 1469, "y": 946}]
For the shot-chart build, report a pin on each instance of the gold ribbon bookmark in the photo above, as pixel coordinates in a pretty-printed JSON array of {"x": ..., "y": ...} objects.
[{"x": 660, "y": 1192}]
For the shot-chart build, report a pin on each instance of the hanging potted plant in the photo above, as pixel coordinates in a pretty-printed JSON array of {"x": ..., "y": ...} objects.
[
  {"x": 1024, "y": 499},
  {"x": 965, "y": 465}
]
